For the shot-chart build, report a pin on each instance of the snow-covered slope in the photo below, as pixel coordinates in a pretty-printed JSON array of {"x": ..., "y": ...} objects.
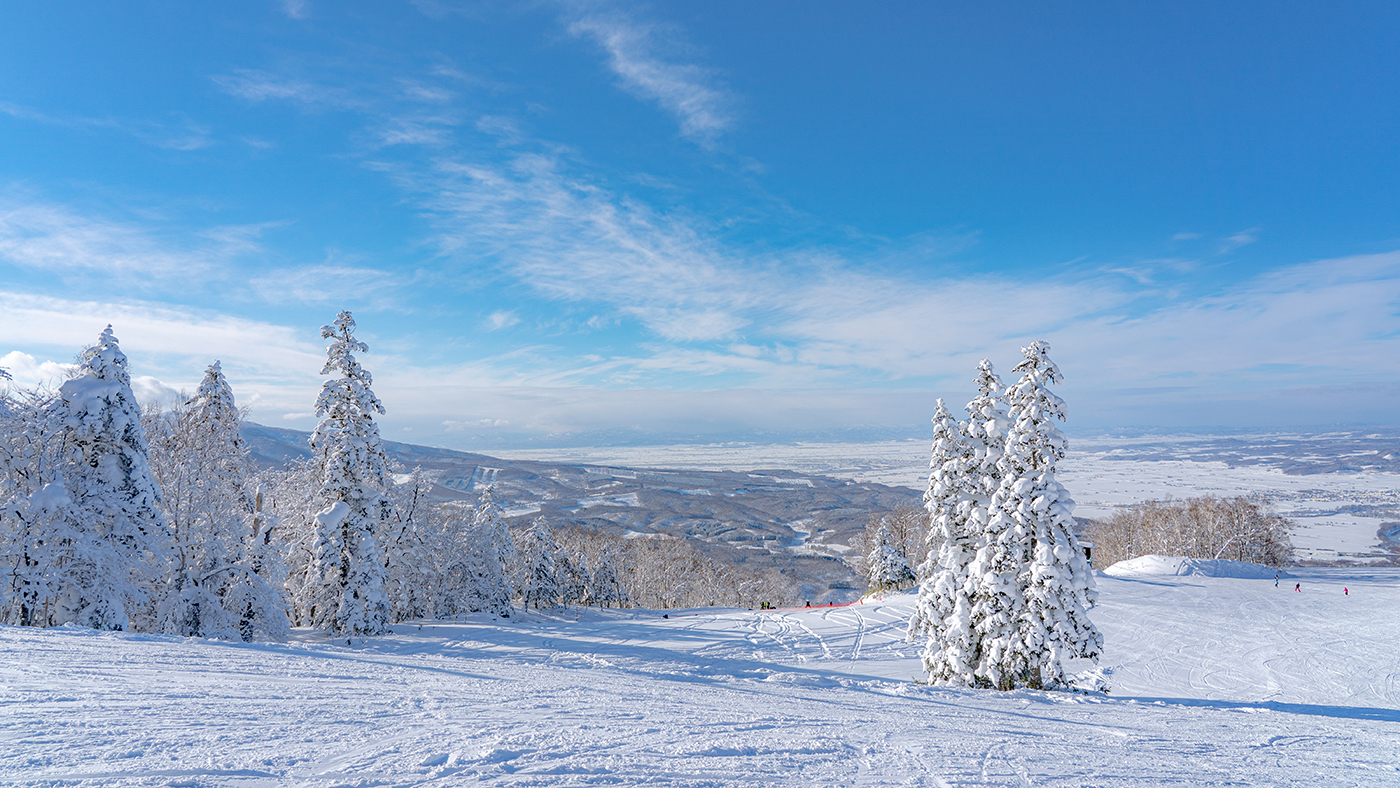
[
  {"x": 1203, "y": 567},
  {"x": 1217, "y": 682}
]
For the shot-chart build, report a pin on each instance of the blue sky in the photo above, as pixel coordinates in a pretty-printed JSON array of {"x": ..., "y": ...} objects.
[{"x": 565, "y": 222}]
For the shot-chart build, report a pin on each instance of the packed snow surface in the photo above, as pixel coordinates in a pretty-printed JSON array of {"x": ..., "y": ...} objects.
[
  {"x": 1216, "y": 681},
  {"x": 1204, "y": 567}
]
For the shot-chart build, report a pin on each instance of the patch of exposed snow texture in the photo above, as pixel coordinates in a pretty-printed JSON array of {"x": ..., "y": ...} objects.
[
  {"x": 1215, "y": 682},
  {"x": 1148, "y": 565}
]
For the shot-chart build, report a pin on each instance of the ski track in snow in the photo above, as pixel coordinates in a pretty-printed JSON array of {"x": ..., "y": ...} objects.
[{"x": 1216, "y": 682}]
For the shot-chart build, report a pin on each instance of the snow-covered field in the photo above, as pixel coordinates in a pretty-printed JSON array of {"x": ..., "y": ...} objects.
[
  {"x": 1216, "y": 682},
  {"x": 1102, "y": 474}
]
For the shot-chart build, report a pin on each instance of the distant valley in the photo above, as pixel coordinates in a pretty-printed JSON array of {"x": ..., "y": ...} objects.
[{"x": 800, "y": 523}]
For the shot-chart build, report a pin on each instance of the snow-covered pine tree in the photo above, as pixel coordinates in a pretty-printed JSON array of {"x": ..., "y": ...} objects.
[
  {"x": 262, "y": 613},
  {"x": 484, "y": 551},
  {"x": 203, "y": 465},
  {"x": 995, "y": 574},
  {"x": 985, "y": 432},
  {"x": 291, "y": 501},
  {"x": 539, "y": 567},
  {"x": 349, "y": 572},
  {"x": 414, "y": 537},
  {"x": 1059, "y": 587},
  {"x": 40, "y": 535},
  {"x": 606, "y": 586},
  {"x": 887, "y": 566},
  {"x": 942, "y": 617},
  {"x": 574, "y": 581},
  {"x": 124, "y": 541},
  {"x": 38, "y": 529}
]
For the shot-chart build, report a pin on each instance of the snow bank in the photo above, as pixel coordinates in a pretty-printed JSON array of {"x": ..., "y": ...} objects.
[{"x": 1201, "y": 567}]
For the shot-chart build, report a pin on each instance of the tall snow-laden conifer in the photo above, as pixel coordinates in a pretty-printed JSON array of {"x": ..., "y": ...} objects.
[
  {"x": 942, "y": 616},
  {"x": 350, "y": 598},
  {"x": 995, "y": 574},
  {"x": 1059, "y": 587},
  {"x": 204, "y": 467},
  {"x": 122, "y": 541}
]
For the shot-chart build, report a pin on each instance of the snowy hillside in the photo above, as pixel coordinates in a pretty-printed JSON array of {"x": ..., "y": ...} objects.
[{"x": 1216, "y": 682}]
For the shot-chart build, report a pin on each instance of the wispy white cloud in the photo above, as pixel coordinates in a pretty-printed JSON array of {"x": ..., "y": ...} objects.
[
  {"x": 330, "y": 284},
  {"x": 1336, "y": 317},
  {"x": 54, "y": 238},
  {"x": 171, "y": 343},
  {"x": 182, "y": 133},
  {"x": 635, "y": 54},
  {"x": 571, "y": 240},
  {"x": 296, "y": 9},
  {"x": 431, "y": 94},
  {"x": 414, "y": 131},
  {"x": 1241, "y": 238},
  {"x": 257, "y": 86},
  {"x": 503, "y": 318},
  {"x": 839, "y": 321}
]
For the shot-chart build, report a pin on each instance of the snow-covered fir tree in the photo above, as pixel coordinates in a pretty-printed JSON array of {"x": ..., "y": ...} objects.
[
  {"x": 886, "y": 563},
  {"x": 413, "y": 539},
  {"x": 605, "y": 588},
  {"x": 204, "y": 467},
  {"x": 1059, "y": 588},
  {"x": 991, "y": 609},
  {"x": 39, "y": 534},
  {"x": 942, "y": 617},
  {"x": 985, "y": 434},
  {"x": 477, "y": 579},
  {"x": 349, "y": 596},
  {"x": 574, "y": 582},
  {"x": 996, "y": 574},
  {"x": 539, "y": 566},
  {"x": 122, "y": 542},
  {"x": 260, "y": 609}
]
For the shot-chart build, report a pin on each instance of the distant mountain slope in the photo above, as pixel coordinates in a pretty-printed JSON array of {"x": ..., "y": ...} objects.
[{"x": 800, "y": 523}]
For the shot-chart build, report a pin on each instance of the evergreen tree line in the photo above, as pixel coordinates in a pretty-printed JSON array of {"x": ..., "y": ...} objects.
[
  {"x": 158, "y": 521},
  {"x": 1006, "y": 586}
]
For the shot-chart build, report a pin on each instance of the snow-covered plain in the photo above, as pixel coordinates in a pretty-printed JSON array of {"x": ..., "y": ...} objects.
[
  {"x": 1216, "y": 682},
  {"x": 1337, "y": 514}
]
